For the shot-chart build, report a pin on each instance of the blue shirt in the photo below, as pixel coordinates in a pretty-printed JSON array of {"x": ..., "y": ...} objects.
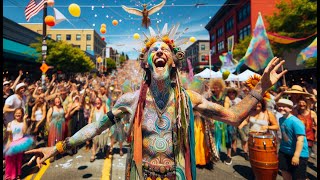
[{"x": 290, "y": 128}]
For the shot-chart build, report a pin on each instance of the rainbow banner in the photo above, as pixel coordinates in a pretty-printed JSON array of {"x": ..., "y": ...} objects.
[
  {"x": 259, "y": 52},
  {"x": 285, "y": 40},
  {"x": 308, "y": 52}
]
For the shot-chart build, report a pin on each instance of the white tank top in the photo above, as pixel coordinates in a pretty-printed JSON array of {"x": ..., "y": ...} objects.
[
  {"x": 256, "y": 124},
  {"x": 16, "y": 129},
  {"x": 38, "y": 114}
]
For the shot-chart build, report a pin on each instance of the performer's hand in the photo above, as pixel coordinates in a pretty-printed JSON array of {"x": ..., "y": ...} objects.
[
  {"x": 42, "y": 154},
  {"x": 270, "y": 75},
  {"x": 295, "y": 161}
]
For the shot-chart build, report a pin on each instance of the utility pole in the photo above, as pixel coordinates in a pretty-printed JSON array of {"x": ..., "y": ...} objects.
[{"x": 44, "y": 45}]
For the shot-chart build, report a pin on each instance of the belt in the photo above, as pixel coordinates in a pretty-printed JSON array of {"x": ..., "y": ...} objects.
[{"x": 158, "y": 172}]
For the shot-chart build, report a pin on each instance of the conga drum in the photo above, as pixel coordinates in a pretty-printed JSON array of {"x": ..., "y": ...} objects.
[{"x": 263, "y": 156}]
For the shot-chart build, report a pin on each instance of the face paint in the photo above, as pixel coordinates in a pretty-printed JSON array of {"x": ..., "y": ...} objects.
[{"x": 160, "y": 60}]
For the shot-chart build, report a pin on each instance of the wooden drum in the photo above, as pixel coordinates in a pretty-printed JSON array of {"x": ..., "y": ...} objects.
[{"x": 263, "y": 156}]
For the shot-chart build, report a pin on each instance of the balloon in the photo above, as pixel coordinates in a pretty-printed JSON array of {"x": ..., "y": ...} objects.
[
  {"x": 225, "y": 75},
  {"x": 49, "y": 20},
  {"x": 115, "y": 22},
  {"x": 136, "y": 36},
  {"x": 192, "y": 39},
  {"x": 102, "y": 38},
  {"x": 103, "y": 26},
  {"x": 50, "y": 2},
  {"x": 103, "y": 30},
  {"x": 99, "y": 59},
  {"x": 74, "y": 10}
]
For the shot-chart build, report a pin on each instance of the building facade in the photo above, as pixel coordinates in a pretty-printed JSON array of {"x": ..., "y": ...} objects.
[
  {"x": 198, "y": 53},
  {"x": 86, "y": 39},
  {"x": 233, "y": 23}
]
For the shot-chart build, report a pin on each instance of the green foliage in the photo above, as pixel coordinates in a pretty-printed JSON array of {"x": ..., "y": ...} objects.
[
  {"x": 65, "y": 57},
  {"x": 296, "y": 19},
  {"x": 127, "y": 57},
  {"x": 111, "y": 64},
  {"x": 240, "y": 48},
  {"x": 122, "y": 59},
  {"x": 311, "y": 62}
]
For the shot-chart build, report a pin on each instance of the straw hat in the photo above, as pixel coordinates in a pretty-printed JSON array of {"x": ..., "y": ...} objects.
[
  {"x": 286, "y": 102},
  {"x": 296, "y": 89},
  {"x": 233, "y": 88}
]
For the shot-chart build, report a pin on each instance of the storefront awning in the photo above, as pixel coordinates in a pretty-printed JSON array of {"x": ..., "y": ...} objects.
[{"x": 21, "y": 51}]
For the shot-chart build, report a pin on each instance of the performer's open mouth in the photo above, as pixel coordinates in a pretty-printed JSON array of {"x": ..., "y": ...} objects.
[{"x": 159, "y": 63}]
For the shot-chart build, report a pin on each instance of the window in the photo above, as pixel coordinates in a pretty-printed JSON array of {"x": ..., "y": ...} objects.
[
  {"x": 212, "y": 37},
  {"x": 203, "y": 47},
  {"x": 203, "y": 58},
  {"x": 88, "y": 48},
  {"x": 78, "y": 37},
  {"x": 88, "y": 37},
  {"x": 229, "y": 25},
  {"x": 220, "y": 46},
  {"x": 49, "y": 36},
  {"x": 58, "y": 38},
  {"x": 246, "y": 31},
  {"x": 68, "y": 37},
  {"x": 77, "y": 46},
  {"x": 244, "y": 12},
  {"x": 213, "y": 50},
  {"x": 220, "y": 32}
]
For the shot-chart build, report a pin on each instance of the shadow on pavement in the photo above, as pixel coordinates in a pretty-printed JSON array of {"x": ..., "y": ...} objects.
[
  {"x": 86, "y": 176},
  {"x": 82, "y": 167},
  {"x": 245, "y": 171},
  {"x": 312, "y": 166},
  {"x": 311, "y": 177}
]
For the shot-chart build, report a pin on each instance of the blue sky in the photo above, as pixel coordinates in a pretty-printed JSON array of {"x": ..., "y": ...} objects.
[{"x": 120, "y": 37}]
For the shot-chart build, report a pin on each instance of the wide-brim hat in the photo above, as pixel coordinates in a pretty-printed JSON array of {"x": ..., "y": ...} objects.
[
  {"x": 286, "y": 102},
  {"x": 20, "y": 85},
  {"x": 230, "y": 89},
  {"x": 296, "y": 89}
]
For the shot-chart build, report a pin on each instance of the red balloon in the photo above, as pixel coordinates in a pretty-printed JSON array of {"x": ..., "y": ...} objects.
[
  {"x": 49, "y": 20},
  {"x": 102, "y": 38}
]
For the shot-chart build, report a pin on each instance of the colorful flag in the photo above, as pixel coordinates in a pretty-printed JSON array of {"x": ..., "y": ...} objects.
[
  {"x": 259, "y": 52},
  {"x": 190, "y": 76},
  {"x": 228, "y": 63},
  {"x": 285, "y": 40},
  {"x": 33, "y": 8},
  {"x": 308, "y": 52}
]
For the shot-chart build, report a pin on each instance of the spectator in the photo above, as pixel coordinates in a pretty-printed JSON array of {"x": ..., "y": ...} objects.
[
  {"x": 309, "y": 119},
  {"x": 56, "y": 120},
  {"x": 16, "y": 129},
  {"x": 293, "y": 154},
  {"x": 17, "y": 100},
  {"x": 38, "y": 116}
]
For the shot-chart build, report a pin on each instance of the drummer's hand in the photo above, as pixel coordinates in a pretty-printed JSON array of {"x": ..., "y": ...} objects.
[
  {"x": 42, "y": 154},
  {"x": 295, "y": 161}
]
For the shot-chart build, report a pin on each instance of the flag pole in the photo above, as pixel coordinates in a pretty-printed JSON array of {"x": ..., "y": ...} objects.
[{"x": 44, "y": 44}]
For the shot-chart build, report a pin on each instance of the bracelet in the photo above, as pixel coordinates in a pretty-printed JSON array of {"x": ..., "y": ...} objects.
[
  {"x": 59, "y": 147},
  {"x": 256, "y": 95}
]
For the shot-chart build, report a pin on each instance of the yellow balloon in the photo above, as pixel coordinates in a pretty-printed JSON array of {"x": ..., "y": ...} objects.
[
  {"x": 192, "y": 39},
  {"x": 74, "y": 10},
  {"x": 136, "y": 36},
  {"x": 103, "y": 26},
  {"x": 99, "y": 59}
]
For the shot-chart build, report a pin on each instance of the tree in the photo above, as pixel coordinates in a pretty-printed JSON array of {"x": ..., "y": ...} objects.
[
  {"x": 111, "y": 64},
  {"x": 122, "y": 59},
  {"x": 295, "y": 19},
  {"x": 240, "y": 48},
  {"x": 127, "y": 57},
  {"x": 65, "y": 57}
]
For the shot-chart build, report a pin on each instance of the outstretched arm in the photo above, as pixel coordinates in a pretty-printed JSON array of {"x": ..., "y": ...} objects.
[
  {"x": 237, "y": 113},
  {"x": 124, "y": 105}
]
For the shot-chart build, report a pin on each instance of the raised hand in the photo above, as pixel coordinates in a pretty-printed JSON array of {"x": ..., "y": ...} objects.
[
  {"x": 270, "y": 75},
  {"x": 42, "y": 154}
]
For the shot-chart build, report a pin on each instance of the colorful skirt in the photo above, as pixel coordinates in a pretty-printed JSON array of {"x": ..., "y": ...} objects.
[
  {"x": 56, "y": 132},
  {"x": 20, "y": 145}
]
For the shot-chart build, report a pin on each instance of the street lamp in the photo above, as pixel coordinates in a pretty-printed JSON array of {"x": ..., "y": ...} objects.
[{"x": 44, "y": 55}]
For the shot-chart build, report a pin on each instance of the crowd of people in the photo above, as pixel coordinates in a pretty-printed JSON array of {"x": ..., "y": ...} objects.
[{"x": 32, "y": 113}]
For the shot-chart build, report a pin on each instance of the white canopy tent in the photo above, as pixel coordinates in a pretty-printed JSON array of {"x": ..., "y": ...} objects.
[
  {"x": 246, "y": 75},
  {"x": 207, "y": 73}
]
